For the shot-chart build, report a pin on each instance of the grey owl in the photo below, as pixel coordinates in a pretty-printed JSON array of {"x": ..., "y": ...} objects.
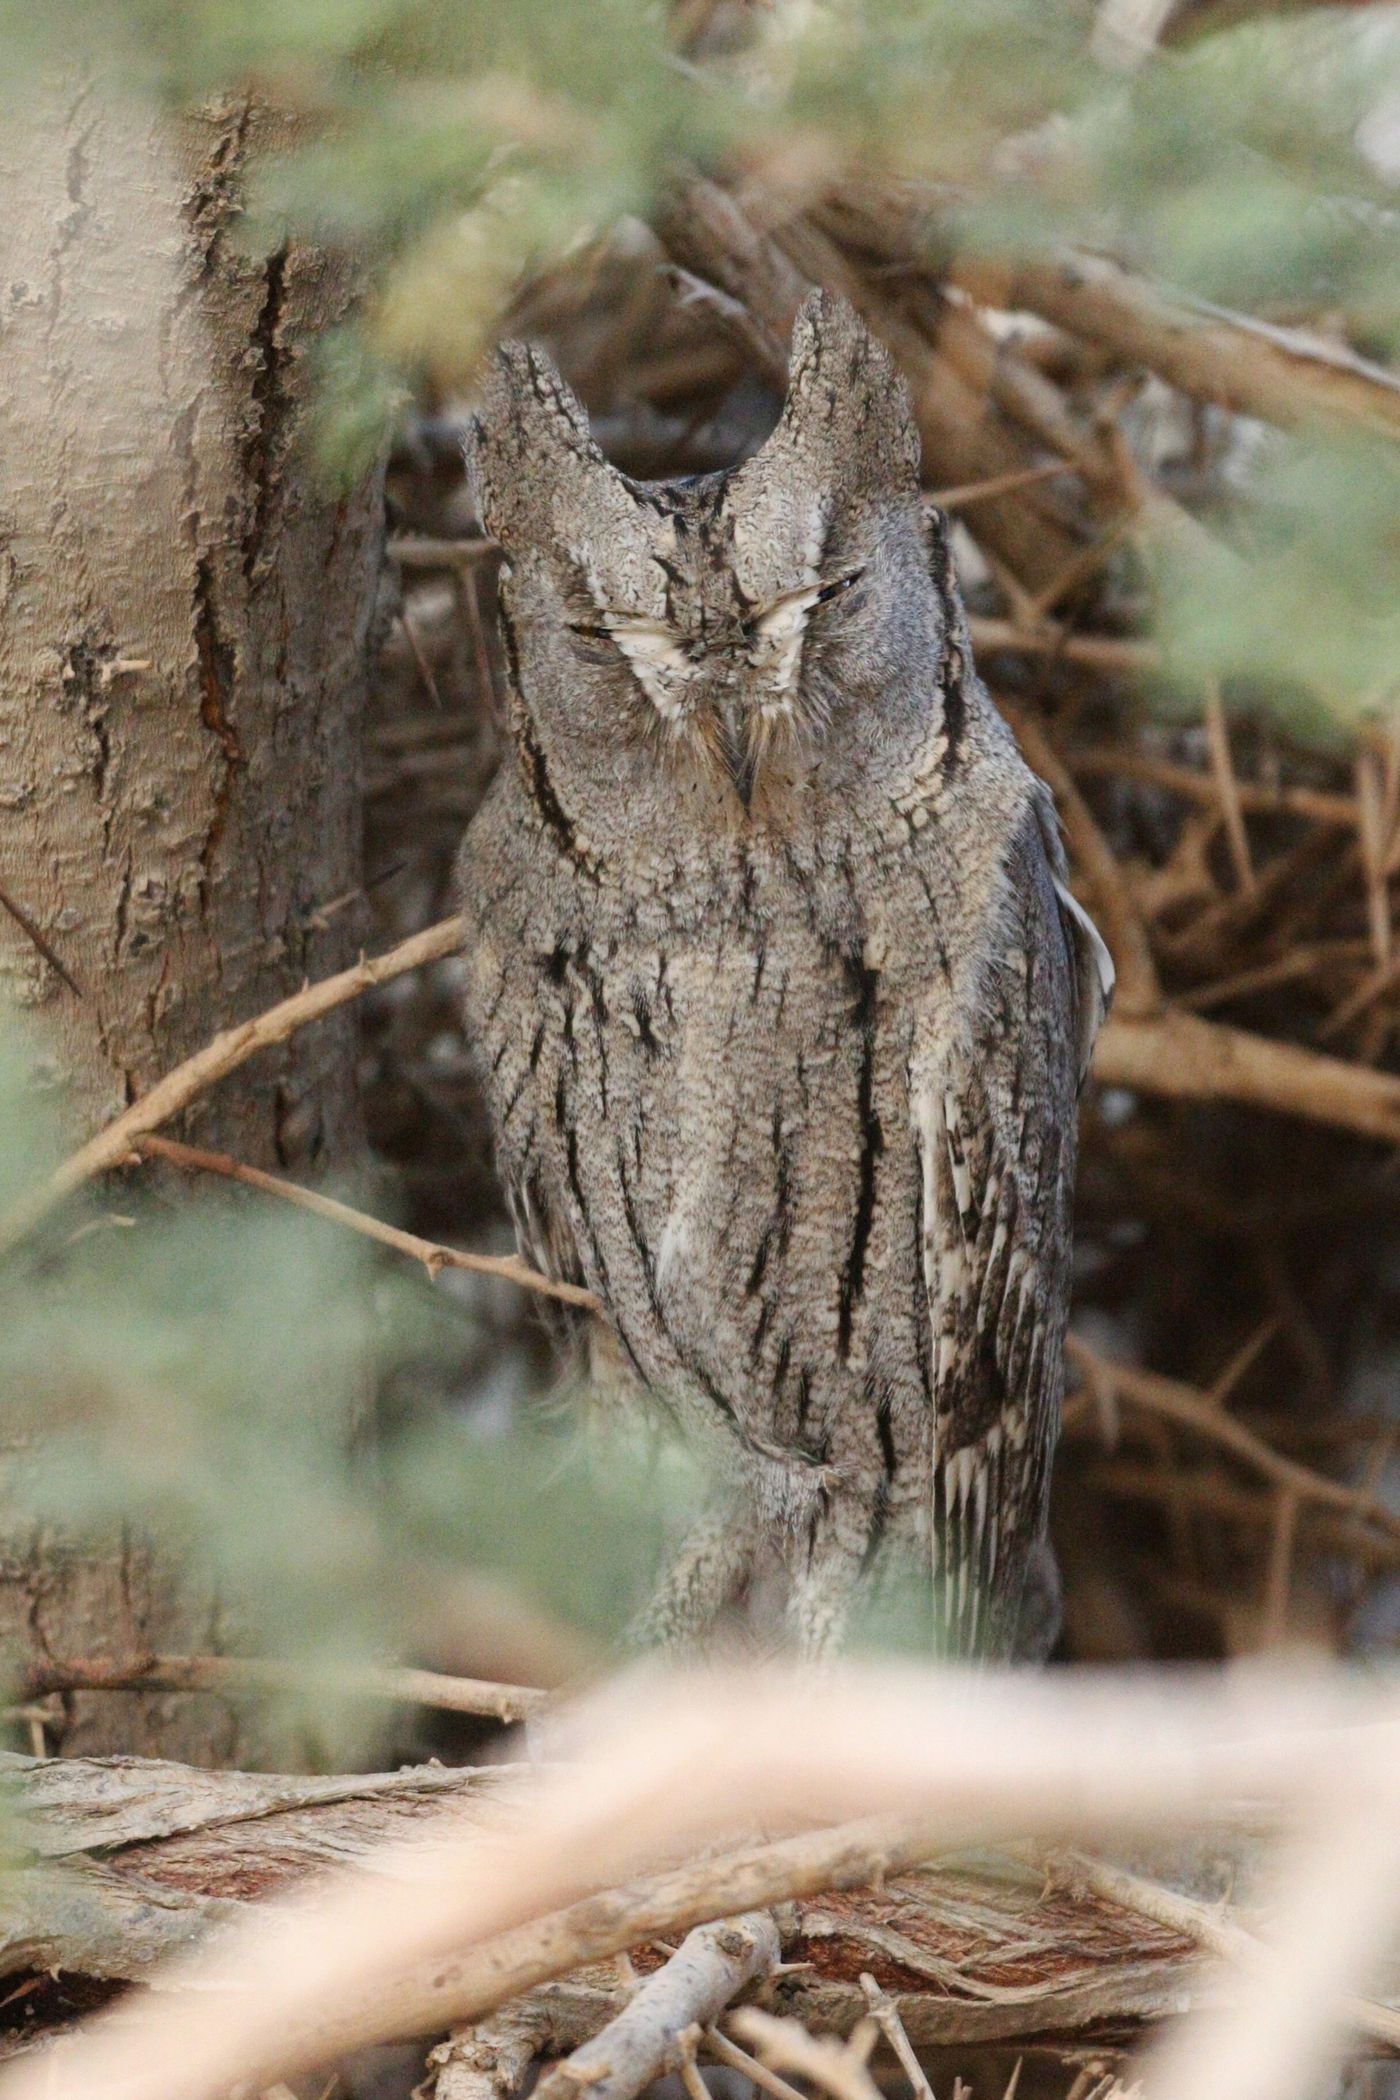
[{"x": 780, "y": 998}]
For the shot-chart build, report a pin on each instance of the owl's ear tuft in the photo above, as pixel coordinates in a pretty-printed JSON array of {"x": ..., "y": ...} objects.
[
  {"x": 528, "y": 447},
  {"x": 845, "y": 388}
]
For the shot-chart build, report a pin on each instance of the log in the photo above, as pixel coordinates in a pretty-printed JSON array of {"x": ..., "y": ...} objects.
[{"x": 124, "y": 1862}]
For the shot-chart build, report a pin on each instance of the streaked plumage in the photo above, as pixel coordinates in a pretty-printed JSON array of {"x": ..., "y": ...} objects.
[{"x": 780, "y": 999}]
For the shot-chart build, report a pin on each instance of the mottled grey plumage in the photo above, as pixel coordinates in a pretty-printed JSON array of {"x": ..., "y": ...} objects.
[{"x": 780, "y": 998}]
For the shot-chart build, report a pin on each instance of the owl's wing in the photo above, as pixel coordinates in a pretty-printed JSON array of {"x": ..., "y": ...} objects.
[
  {"x": 545, "y": 1240},
  {"x": 994, "y": 1119}
]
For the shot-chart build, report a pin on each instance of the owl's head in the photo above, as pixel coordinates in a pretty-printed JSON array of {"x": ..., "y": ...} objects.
[{"x": 741, "y": 632}]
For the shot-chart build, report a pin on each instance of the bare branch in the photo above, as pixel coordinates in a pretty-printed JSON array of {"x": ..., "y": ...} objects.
[
  {"x": 114, "y": 1144},
  {"x": 434, "y": 1256},
  {"x": 708, "y": 1970},
  {"x": 241, "y": 1675}
]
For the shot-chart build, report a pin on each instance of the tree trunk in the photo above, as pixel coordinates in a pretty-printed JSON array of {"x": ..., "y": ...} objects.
[{"x": 183, "y": 622}]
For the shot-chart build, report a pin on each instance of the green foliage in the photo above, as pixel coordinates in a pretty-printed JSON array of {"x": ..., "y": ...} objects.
[
  {"x": 460, "y": 145},
  {"x": 1315, "y": 612},
  {"x": 195, "y": 1373}
]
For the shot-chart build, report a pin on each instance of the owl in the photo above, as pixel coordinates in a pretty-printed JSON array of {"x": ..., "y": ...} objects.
[{"x": 780, "y": 999}]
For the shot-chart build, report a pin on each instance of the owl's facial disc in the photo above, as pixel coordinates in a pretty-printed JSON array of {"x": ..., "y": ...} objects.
[{"x": 727, "y": 683}]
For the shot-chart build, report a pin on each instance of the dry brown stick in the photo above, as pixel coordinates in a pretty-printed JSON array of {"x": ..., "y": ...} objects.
[
  {"x": 886, "y": 2012},
  {"x": 233, "y": 1047},
  {"x": 431, "y": 1253},
  {"x": 1244, "y": 364},
  {"x": 1210, "y": 1927},
  {"x": 707, "y": 1971},
  {"x": 1139, "y": 990},
  {"x": 240, "y": 1674},
  {"x": 1080, "y": 567},
  {"x": 968, "y": 492},
  {"x": 1228, "y": 787},
  {"x": 1278, "y": 1574},
  {"x": 1172, "y": 1401},
  {"x": 729, "y": 2053},
  {"x": 1299, "y": 962},
  {"x": 491, "y": 2060},
  {"x": 1111, "y": 654},
  {"x": 1185, "y": 1058},
  {"x": 1256, "y": 795},
  {"x": 1214, "y": 1497},
  {"x": 789, "y": 2046},
  {"x": 41, "y": 942}
]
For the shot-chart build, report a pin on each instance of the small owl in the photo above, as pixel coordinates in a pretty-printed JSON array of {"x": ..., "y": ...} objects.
[{"x": 780, "y": 998}]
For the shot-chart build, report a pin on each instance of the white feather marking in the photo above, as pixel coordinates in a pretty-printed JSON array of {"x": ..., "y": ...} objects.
[{"x": 1094, "y": 973}]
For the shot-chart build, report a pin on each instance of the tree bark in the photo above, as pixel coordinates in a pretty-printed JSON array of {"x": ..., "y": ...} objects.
[{"x": 184, "y": 607}]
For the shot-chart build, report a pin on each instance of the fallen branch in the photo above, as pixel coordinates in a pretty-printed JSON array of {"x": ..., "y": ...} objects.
[
  {"x": 422, "y": 1941},
  {"x": 1205, "y": 1923},
  {"x": 491, "y": 2060},
  {"x": 114, "y": 1144},
  {"x": 707, "y": 1971},
  {"x": 239, "y": 1675},
  {"x": 431, "y": 1253}
]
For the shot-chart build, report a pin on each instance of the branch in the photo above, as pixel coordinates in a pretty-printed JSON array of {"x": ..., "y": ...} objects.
[
  {"x": 431, "y": 1253},
  {"x": 709, "y": 1969},
  {"x": 236, "y": 1675},
  {"x": 1205, "y": 1923},
  {"x": 491, "y": 2060},
  {"x": 1172, "y": 1401},
  {"x": 1244, "y": 364},
  {"x": 112, "y": 1146},
  {"x": 50, "y": 954},
  {"x": 1179, "y": 1055},
  {"x": 434, "y": 1933}
]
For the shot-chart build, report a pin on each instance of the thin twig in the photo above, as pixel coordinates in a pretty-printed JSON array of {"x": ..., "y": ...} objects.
[
  {"x": 239, "y": 1675},
  {"x": 431, "y": 1253},
  {"x": 41, "y": 942},
  {"x": 884, "y": 2009},
  {"x": 442, "y": 554},
  {"x": 707, "y": 1971},
  {"x": 967, "y": 492},
  {"x": 1172, "y": 1401},
  {"x": 1218, "y": 736},
  {"x": 425, "y": 669},
  {"x": 233, "y": 1047},
  {"x": 790, "y": 2046}
]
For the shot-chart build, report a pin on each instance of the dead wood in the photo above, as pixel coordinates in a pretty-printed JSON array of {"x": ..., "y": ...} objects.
[
  {"x": 128, "y": 1862},
  {"x": 704, "y": 1975}
]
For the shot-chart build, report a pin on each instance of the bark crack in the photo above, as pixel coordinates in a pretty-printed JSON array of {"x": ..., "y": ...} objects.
[{"x": 268, "y": 409}]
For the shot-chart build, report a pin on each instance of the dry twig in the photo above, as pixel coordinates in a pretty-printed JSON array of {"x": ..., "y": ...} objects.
[
  {"x": 707, "y": 1971},
  {"x": 434, "y": 1257},
  {"x": 115, "y": 1142}
]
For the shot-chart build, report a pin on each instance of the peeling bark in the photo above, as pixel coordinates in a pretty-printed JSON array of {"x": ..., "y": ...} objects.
[{"x": 183, "y": 616}]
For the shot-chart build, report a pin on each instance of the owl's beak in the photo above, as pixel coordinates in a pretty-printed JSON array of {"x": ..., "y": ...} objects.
[{"x": 740, "y": 758}]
